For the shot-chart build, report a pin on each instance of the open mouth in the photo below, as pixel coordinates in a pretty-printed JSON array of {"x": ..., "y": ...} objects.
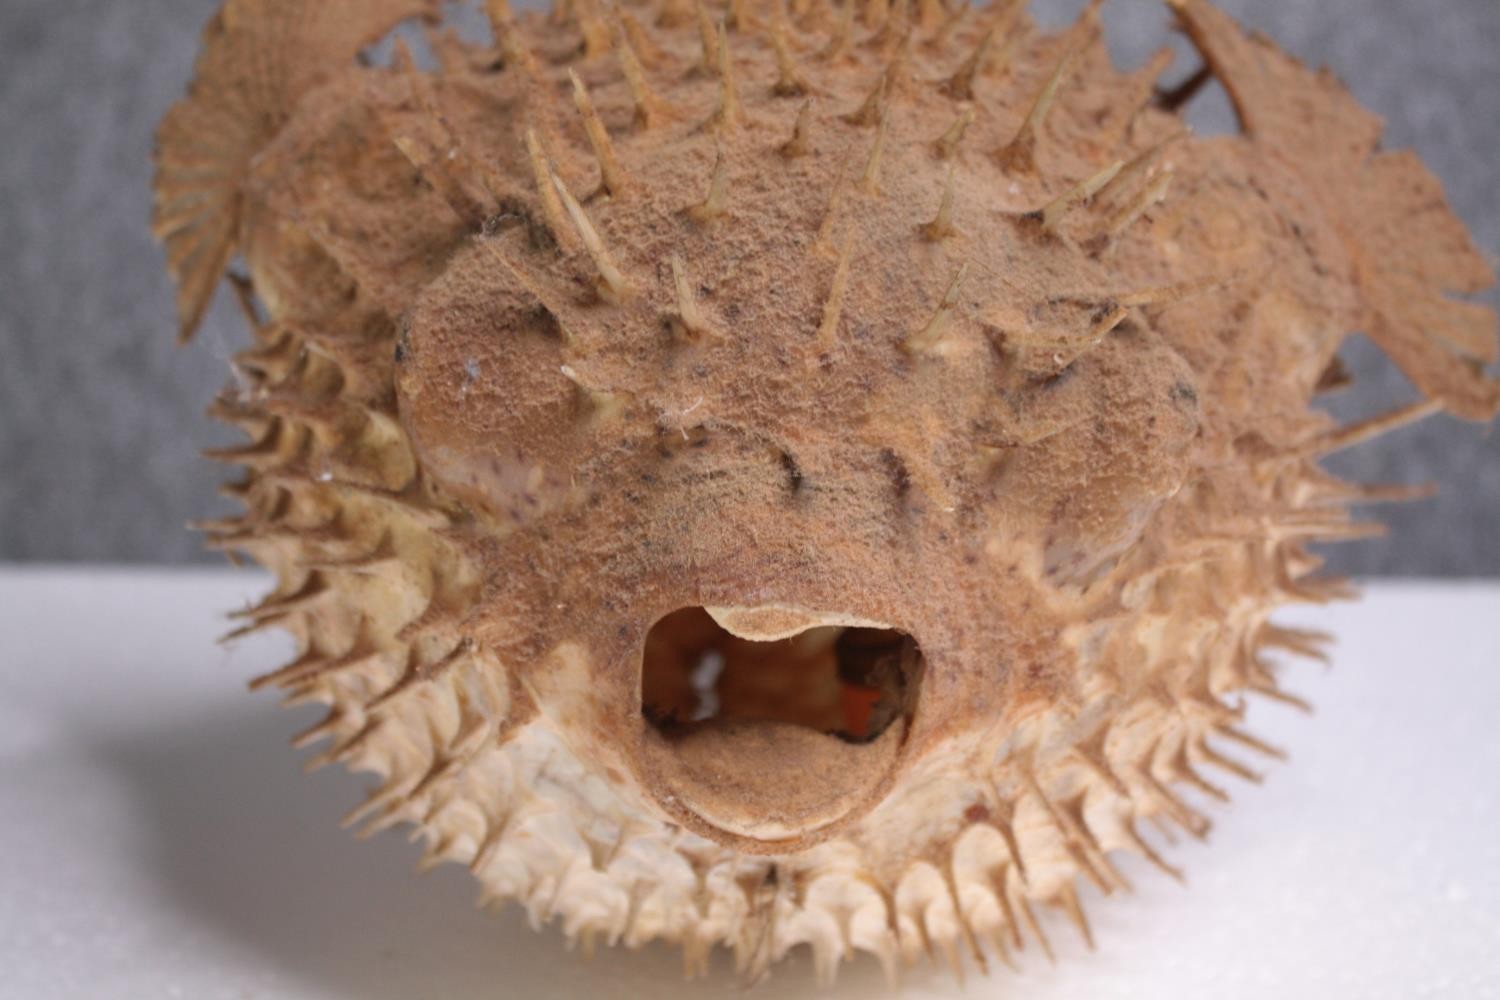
[{"x": 771, "y": 724}]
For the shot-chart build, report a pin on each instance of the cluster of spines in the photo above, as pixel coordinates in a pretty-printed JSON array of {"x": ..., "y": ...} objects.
[
  {"x": 1124, "y": 191},
  {"x": 337, "y": 508}
]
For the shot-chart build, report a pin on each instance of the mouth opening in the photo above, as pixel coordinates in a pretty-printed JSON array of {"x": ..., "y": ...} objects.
[
  {"x": 851, "y": 682},
  {"x": 767, "y": 726}
]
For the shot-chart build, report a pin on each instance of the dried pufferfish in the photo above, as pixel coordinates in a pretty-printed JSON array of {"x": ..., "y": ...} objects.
[{"x": 777, "y": 475}]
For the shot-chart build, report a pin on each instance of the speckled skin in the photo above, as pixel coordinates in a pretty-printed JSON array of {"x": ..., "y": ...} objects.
[{"x": 805, "y": 316}]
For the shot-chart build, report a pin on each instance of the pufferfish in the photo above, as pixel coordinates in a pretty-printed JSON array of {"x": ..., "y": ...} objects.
[{"x": 793, "y": 472}]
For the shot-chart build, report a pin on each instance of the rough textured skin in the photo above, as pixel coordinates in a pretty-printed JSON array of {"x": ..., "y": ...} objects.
[{"x": 886, "y": 316}]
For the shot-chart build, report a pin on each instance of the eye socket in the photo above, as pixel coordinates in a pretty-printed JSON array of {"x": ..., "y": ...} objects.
[{"x": 849, "y": 682}]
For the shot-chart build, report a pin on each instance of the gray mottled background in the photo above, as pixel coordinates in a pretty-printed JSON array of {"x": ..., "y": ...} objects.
[{"x": 100, "y": 415}]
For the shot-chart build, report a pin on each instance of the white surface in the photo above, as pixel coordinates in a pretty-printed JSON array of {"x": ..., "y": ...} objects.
[{"x": 157, "y": 838}]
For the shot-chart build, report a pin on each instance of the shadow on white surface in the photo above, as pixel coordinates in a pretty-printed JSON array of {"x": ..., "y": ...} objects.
[{"x": 247, "y": 847}]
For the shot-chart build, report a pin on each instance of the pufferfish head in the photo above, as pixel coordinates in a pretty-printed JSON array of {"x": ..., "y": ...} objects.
[
  {"x": 794, "y": 488},
  {"x": 767, "y": 476}
]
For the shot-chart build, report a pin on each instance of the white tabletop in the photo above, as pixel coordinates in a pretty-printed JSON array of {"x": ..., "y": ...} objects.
[{"x": 158, "y": 839}]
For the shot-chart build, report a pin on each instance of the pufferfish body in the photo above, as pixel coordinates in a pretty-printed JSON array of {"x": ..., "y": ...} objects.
[{"x": 793, "y": 473}]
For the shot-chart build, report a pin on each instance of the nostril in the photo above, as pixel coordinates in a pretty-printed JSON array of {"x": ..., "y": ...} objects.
[
  {"x": 845, "y": 681},
  {"x": 761, "y": 741}
]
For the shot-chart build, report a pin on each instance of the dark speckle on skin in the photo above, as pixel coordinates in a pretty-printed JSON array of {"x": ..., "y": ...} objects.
[
  {"x": 793, "y": 471},
  {"x": 898, "y": 471}
]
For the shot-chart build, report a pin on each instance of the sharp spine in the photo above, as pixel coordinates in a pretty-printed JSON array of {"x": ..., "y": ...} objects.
[
  {"x": 843, "y": 34},
  {"x": 830, "y": 215},
  {"x": 1153, "y": 194},
  {"x": 593, "y": 29},
  {"x": 1022, "y": 149},
  {"x": 728, "y": 114},
  {"x": 689, "y": 319},
  {"x": 614, "y": 286},
  {"x": 610, "y": 175},
  {"x": 1077, "y": 195},
  {"x": 552, "y": 209},
  {"x": 941, "y": 226},
  {"x": 716, "y": 201},
  {"x": 833, "y": 306},
  {"x": 635, "y": 36},
  {"x": 873, "y": 107},
  {"x": 1368, "y": 430},
  {"x": 929, "y": 339},
  {"x": 947, "y": 143},
  {"x": 1138, "y": 166},
  {"x": 1106, "y": 324},
  {"x": 961, "y": 84},
  {"x": 1171, "y": 294},
  {"x": 797, "y": 145},
  {"x": 602, "y": 404},
  {"x": 1172, "y": 99},
  {"x": 647, "y": 104},
  {"x": 789, "y": 82},
  {"x": 1074, "y": 911},
  {"x": 707, "y": 35}
]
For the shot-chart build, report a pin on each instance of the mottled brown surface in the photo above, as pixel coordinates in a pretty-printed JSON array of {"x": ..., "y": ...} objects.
[{"x": 1054, "y": 425}]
